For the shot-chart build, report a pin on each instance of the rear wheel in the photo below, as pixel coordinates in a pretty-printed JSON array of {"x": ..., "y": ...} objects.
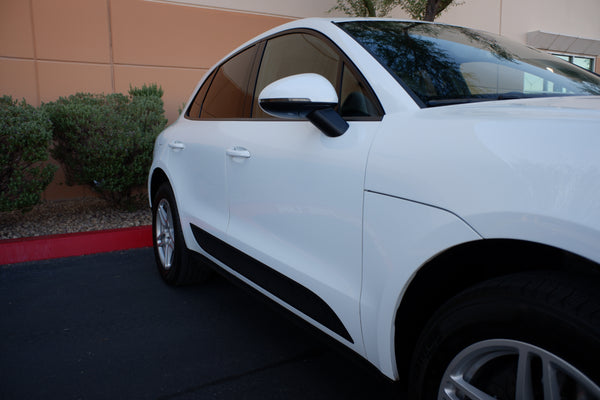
[
  {"x": 173, "y": 259},
  {"x": 526, "y": 336}
]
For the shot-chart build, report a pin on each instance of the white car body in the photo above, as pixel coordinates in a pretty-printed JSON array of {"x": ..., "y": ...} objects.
[{"x": 355, "y": 218}]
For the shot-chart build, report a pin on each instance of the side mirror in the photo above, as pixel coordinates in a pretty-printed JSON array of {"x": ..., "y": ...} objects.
[{"x": 304, "y": 96}]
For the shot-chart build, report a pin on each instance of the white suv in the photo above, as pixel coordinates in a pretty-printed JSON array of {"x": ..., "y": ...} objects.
[{"x": 427, "y": 195}]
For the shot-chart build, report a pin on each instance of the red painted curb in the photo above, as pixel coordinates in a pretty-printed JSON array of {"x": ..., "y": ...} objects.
[{"x": 74, "y": 244}]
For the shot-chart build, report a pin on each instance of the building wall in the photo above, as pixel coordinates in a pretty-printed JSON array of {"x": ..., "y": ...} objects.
[
  {"x": 52, "y": 48},
  {"x": 512, "y": 18}
]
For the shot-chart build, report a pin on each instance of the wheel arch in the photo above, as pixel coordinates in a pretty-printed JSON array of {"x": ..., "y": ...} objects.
[
  {"x": 466, "y": 265},
  {"x": 157, "y": 179}
]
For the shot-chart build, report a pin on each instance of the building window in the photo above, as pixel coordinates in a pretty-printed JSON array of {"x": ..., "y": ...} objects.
[{"x": 583, "y": 62}]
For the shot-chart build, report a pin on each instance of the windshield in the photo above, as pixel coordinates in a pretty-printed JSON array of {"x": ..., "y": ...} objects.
[{"x": 443, "y": 64}]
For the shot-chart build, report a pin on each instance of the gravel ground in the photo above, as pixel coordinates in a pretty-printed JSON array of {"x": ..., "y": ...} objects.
[{"x": 68, "y": 216}]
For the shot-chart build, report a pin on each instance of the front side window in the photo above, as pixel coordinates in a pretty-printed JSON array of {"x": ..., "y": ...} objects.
[
  {"x": 229, "y": 95},
  {"x": 292, "y": 54},
  {"x": 442, "y": 64},
  {"x": 297, "y": 53},
  {"x": 355, "y": 100}
]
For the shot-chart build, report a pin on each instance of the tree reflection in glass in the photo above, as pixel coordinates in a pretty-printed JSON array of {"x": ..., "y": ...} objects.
[{"x": 443, "y": 64}]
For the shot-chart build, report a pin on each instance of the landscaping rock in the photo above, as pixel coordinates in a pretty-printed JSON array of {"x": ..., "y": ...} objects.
[{"x": 69, "y": 216}]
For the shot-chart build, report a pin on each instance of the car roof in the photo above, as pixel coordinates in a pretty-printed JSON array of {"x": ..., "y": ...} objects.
[{"x": 322, "y": 24}]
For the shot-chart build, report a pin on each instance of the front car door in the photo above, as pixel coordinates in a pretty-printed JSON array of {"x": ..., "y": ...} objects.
[{"x": 296, "y": 195}]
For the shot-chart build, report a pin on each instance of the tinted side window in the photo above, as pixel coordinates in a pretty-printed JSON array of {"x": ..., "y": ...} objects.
[
  {"x": 194, "y": 111},
  {"x": 229, "y": 94},
  {"x": 293, "y": 54},
  {"x": 355, "y": 99}
]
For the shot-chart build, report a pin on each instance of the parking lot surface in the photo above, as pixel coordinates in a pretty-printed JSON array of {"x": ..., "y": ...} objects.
[{"x": 105, "y": 326}]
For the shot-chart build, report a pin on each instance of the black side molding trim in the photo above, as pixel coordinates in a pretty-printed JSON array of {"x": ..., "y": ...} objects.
[{"x": 272, "y": 281}]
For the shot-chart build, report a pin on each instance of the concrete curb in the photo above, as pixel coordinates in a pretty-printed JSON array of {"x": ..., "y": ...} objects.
[{"x": 73, "y": 244}]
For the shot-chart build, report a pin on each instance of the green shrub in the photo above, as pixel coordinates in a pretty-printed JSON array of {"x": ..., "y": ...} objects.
[
  {"x": 106, "y": 141},
  {"x": 25, "y": 139}
]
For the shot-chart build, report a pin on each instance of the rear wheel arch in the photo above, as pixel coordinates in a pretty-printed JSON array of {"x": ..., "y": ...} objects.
[
  {"x": 175, "y": 262},
  {"x": 464, "y": 266},
  {"x": 158, "y": 178}
]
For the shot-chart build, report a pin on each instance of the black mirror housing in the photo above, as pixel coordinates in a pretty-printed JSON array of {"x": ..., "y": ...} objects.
[
  {"x": 329, "y": 122},
  {"x": 292, "y": 108}
]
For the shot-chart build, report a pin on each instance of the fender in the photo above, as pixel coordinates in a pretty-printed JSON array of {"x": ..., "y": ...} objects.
[{"x": 399, "y": 236}]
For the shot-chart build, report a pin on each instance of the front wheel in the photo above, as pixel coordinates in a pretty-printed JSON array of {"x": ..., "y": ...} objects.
[
  {"x": 526, "y": 336},
  {"x": 173, "y": 260}
]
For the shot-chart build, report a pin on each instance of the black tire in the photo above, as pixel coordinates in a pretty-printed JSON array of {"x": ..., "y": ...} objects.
[
  {"x": 551, "y": 317},
  {"x": 173, "y": 259}
]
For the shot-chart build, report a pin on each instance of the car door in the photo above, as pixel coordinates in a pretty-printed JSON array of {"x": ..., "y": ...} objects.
[
  {"x": 296, "y": 195},
  {"x": 197, "y": 156}
]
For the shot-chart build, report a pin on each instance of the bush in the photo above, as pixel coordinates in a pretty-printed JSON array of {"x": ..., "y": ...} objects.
[
  {"x": 106, "y": 141},
  {"x": 25, "y": 138}
]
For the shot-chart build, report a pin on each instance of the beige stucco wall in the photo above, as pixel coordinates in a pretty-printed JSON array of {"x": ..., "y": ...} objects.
[
  {"x": 52, "y": 48},
  {"x": 511, "y": 18},
  {"x": 285, "y": 8},
  {"x": 514, "y": 18}
]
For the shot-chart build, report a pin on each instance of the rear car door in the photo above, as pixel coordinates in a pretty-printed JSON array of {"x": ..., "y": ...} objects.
[{"x": 197, "y": 147}]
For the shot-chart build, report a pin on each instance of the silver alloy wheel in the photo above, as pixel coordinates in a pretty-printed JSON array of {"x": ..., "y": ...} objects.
[
  {"x": 165, "y": 233},
  {"x": 531, "y": 373}
]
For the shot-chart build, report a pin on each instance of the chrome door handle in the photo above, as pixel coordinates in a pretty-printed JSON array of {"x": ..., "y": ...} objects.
[
  {"x": 177, "y": 145},
  {"x": 238, "y": 152}
]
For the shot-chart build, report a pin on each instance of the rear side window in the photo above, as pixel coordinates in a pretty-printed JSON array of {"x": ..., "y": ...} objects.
[
  {"x": 194, "y": 110},
  {"x": 229, "y": 94}
]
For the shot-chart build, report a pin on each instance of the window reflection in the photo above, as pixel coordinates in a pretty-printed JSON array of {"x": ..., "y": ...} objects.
[
  {"x": 229, "y": 94},
  {"x": 441, "y": 64},
  {"x": 294, "y": 54}
]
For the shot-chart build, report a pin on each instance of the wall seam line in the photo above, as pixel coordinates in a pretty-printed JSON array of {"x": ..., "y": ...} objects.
[
  {"x": 110, "y": 47},
  {"x": 38, "y": 94},
  {"x": 101, "y": 64}
]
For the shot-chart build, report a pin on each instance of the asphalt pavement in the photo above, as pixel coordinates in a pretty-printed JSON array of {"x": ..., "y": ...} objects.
[{"x": 105, "y": 327}]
